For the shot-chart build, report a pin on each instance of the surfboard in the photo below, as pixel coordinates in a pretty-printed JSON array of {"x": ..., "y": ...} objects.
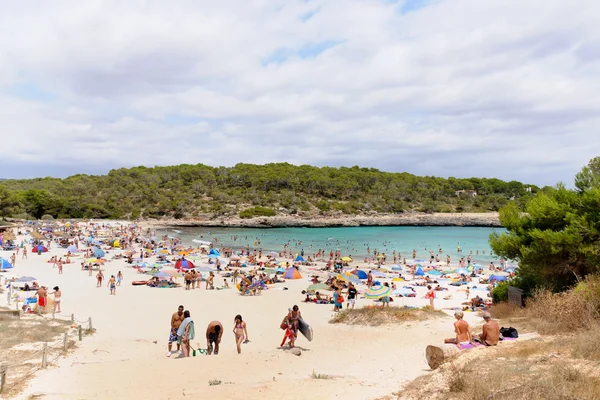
[{"x": 305, "y": 329}]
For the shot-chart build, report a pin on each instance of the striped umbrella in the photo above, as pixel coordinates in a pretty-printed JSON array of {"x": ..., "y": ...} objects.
[{"x": 377, "y": 292}]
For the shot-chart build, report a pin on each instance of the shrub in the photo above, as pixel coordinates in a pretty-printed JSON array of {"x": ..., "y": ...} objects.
[
  {"x": 500, "y": 292},
  {"x": 257, "y": 212},
  {"x": 47, "y": 217}
]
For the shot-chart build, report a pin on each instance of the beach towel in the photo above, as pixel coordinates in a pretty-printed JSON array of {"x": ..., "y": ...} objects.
[{"x": 181, "y": 330}]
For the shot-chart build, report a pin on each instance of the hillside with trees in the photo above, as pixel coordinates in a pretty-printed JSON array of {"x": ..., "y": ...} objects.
[{"x": 247, "y": 190}]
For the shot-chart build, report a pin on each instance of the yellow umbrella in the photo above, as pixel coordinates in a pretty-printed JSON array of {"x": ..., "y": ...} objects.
[
  {"x": 380, "y": 255},
  {"x": 183, "y": 253},
  {"x": 163, "y": 251},
  {"x": 348, "y": 259},
  {"x": 397, "y": 279}
]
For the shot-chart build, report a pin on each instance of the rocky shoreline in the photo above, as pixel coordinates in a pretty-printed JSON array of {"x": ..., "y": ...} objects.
[{"x": 409, "y": 219}]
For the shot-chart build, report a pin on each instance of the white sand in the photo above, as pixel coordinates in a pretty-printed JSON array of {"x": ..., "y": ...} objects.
[{"x": 126, "y": 358}]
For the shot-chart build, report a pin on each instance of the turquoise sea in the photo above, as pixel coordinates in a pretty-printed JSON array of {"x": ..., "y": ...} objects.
[{"x": 352, "y": 241}]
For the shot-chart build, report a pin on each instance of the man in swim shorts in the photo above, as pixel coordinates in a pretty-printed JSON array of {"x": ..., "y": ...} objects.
[
  {"x": 176, "y": 321},
  {"x": 490, "y": 332},
  {"x": 214, "y": 331}
]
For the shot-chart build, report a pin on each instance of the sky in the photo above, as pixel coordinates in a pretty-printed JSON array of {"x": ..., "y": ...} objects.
[{"x": 496, "y": 88}]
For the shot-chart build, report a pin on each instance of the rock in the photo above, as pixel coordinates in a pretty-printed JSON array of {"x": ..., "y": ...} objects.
[{"x": 295, "y": 351}]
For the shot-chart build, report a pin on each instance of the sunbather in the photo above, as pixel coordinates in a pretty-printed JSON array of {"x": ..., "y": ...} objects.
[{"x": 463, "y": 331}]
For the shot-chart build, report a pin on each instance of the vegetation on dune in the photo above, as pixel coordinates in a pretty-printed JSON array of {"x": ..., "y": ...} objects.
[
  {"x": 247, "y": 191},
  {"x": 375, "y": 316},
  {"x": 557, "y": 240}
]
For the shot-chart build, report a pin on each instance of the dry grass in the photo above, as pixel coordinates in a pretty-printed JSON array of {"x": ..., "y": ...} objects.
[
  {"x": 376, "y": 316},
  {"x": 21, "y": 344}
]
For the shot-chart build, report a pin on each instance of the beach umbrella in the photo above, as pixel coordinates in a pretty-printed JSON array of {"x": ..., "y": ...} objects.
[
  {"x": 396, "y": 267},
  {"x": 184, "y": 264},
  {"x": 420, "y": 271},
  {"x": 402, "y": 292},
  {"x": 377, "y": 273},
  {"x": 72, "y": 249},
  {"x": 164, "y": 252},
  {"x": 292, "y": 273},
  {"x": 349, "y": 278},
  {"x": 9, "y": 236},
  {"x": 143, "y": 265},
  {"x": 360, "y": 274},
  {"x": 398, "y": 280},
  {"x": 347, "y": 259},
  {"x": 39, "y": 249},
  {"x": 213, "y": 256},
  {"x": 497, "y": 277},
  {"x": 317, "y": 287},
  {"x": 377, "y": 292},
  {"x": 462, "y": 271},
  {"x": 299, "y": 259},
  {"x": 434, "y": 273},
  {"x": 26, "y": 279},
  {"x": 98, "y": 252},
  {"x": 94, "y": 260},
  {"x": 183, "y": 253},
  {"x": 4, "y": 264}
]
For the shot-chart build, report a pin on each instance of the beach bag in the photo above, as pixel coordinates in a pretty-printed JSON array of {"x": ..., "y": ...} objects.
[
  {"x": 340, "y": 299},
  {"x": 283, "y": 324},
  {"x": 509, "y": 332}
]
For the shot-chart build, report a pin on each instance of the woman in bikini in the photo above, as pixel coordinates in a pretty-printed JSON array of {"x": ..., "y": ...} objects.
[
  {"x": 240, "y": 332},
  {"x": 57, "y": 296}
]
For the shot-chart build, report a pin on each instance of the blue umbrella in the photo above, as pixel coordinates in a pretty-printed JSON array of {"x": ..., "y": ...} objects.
[
  {"x": 4, "y": 264},
  {"x": 462, "y": 271},
  {"x": 143, "y": 265},
  {"x": 72, "y": 249},
  {"x": 434, "y": 272},
  {"x": 396, "y": 267},
  {"x": 98, "y": 252}
]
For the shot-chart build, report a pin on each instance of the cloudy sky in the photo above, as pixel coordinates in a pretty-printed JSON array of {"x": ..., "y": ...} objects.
[{"x": 494, "y": 88}]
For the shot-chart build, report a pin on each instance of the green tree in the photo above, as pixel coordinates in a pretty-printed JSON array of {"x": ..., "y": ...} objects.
[{"x": 557, "y": 239}]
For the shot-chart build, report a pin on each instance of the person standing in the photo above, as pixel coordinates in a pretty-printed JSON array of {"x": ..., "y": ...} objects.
[
  {"x": 24, "y": 256},
  {"x": 57, "y": 297},
  {"x": 176, "y": 320},
  {"x": 99, "y": 278},
  {"x": 240, "y": 332},
  {"x": 292, "y": 322},
  {"x": 352, "y": 292},
  {"x": 13, "y": 259},
  {"x": 119, "y": 278},
  {"x": 337, "y": 300},
  {"x": 430, "y": 295},
  {"x": 112, "y": 284},
  {"x": 214, "y": 332},
  {"x": 369, "y": 279},
  {"x": 59, "y": 264},
  {"x": 186, "y": 333},
  {"x": 42, "y": 294}
]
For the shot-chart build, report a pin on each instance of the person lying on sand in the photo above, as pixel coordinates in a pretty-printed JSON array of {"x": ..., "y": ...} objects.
[
  {"x": 490, "y": 332},
  {"x": 463, "y": 331}
]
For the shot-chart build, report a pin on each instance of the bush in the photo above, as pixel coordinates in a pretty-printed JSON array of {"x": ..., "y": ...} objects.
[
  {"x": 500, "y": 292},
  {"x": 47, "y": 217},
  {"x": 257, "y": 212}
]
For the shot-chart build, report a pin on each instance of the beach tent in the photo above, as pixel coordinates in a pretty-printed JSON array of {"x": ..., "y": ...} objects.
[
  {"x": 214, "y": 252},
  {"x": 360, "y": 274},
  {"x": 420, "y": 272},
  {"x": 396, "y": 267},
  {"x": 279, "y": 270},
  {"x": 299, "y": 259},
  {"x": 292, "y": 273},
  {"x": 116, "y": 243},
  {"x": 4, "y": 264},
  {"x": 39, "y": 249},
  {"x": 72, "y": 249},
  {"x": 98, "y": 252},
  {"x": 497, "y": 278},
  {"x": 184, "y": 264}
]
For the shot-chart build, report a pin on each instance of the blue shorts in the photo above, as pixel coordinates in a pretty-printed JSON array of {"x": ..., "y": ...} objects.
[{"x": 172, "y": 337}]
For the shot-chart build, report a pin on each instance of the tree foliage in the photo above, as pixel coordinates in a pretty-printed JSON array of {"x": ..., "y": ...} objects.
[
  {"x": 189, "y": 190},
  {"x": 557, "y": 239}
]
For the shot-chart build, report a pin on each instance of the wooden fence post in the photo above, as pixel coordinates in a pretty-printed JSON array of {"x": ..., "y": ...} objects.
[
  {"x": 90, "y": 327},
  {"x": 45, "y": 355},
  {"x": 3, "y": 369},
  {"x": 66, "y": 342},
  {"x": 72, "y": 318},
  {"x": 80, "y": 334}
]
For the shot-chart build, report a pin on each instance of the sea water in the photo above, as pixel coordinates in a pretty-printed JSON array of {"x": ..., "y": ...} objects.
[{"x": 352, "y": 241}]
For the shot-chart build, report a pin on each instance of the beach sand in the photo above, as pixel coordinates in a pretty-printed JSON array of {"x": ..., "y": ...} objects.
[{"x": 126, "y": 357}]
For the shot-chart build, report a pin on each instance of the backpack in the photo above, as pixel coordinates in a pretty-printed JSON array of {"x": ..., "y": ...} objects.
[{"x": 509, "y": 332}]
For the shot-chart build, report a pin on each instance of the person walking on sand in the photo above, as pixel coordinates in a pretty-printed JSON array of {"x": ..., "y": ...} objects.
[
  {"x": 352, "y": 292},
  {"x": 292, "y": 322},
  {"x": 99, "y": 278},
  {"x": 13, "y": 259},
  {"x": 119, "y": 278},
  {"x": 210, "y": 281},
  {"x": 176, "y": 320},
  {"x": 214, "y": 332},
  {"x": 24, "y": 253},
  {"x": 59, "y": 264},
  {"x": 57, "y": 297},
  {"x": 430, "y": 295},
  {"x": 240, "y": 332},
  {"x": 186, "y": 333},
  {"x": 112, "y": 284}
]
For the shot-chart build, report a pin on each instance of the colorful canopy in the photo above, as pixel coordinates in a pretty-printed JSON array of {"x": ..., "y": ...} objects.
[
  {"x": 360, "y": 274},
  {"x": 292, "y": 273},
  {"x": 377, "y": 292},
  {"x": 39, "y": 249},
  {"x": 184, "y": 264},
  {"x": 4, "y": 264}
]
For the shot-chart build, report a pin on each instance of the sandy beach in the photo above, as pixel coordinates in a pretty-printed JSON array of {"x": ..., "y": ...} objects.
[{"x": 126, "y": 357}]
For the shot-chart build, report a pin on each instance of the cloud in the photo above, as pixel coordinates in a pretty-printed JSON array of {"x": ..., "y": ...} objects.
[{"x": 499, "y": 88}]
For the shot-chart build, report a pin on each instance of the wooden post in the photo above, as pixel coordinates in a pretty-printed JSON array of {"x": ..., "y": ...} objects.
[
  {"x": 72, "y": 318},
  {"x": 3, "y": 369},
  {"x": 90, "y": 327},
  {"x": 45, "y": 355},
  {"x": 436, "y": 356},
  {"x": 66, "y": 342},
  {"x": 80, "y": 334}
]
